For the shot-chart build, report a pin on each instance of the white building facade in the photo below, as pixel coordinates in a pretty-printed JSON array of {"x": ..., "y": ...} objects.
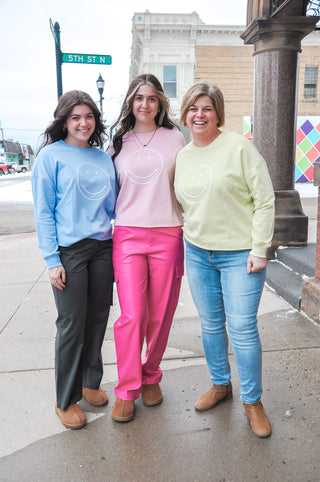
[{"x": 165, "y": 45}]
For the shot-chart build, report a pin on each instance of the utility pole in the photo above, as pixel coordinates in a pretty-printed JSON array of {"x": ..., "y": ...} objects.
[{"x": 1, "y": 130}]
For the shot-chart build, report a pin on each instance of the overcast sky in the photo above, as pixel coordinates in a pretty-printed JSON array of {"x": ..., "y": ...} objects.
[{"x": 28, "y": 87}]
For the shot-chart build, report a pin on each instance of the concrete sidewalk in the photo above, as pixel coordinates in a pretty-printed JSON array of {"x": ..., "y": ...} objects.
[{"x": 170, "y": 442}]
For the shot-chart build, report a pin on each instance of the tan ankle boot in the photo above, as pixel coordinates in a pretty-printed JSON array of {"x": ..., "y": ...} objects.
[
  {"x": 151, "y": 394},
  {"x": 258, "y": 419},
  {"x": 123, "y": 410},
  {"x": 212, "y": 397},
  {"x": 97, "y": 398},
  {"x": 73, "y": 417}
]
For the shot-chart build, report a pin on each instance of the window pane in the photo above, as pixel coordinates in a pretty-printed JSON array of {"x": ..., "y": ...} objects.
[
  {"x": 170, "y": 80},
  {"x": 310, "y": 81},
  {"x": 311, "y": 74},
  {"x": 310, "y": 92},
  {"x": 169, "y": 73},
  {"x": 170, "y": 89}
]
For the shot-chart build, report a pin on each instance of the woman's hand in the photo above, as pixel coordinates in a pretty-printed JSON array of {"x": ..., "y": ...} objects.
[
  {"x": 58, "y": 277},
  {"x": 255, "y": 264}
]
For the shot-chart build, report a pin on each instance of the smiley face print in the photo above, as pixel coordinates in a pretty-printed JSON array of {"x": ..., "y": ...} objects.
[
  {"x": 93, "y": 181},
  {"x": 143, "y": 166},
  {"x": 195, "y": 184}
]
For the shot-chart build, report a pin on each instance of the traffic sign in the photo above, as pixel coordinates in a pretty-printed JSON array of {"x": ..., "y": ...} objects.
[{"x": 86, "y": 59}]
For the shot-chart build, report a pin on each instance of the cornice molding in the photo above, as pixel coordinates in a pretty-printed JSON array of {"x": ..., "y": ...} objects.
[{"x": 278, "y": 33}]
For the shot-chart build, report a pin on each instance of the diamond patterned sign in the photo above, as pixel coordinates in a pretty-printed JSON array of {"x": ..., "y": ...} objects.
[{"x": 307, "y": 145}]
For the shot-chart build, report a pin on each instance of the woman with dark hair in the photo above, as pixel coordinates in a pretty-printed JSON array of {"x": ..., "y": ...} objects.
[
  {"x": 74, "y": 191},
  {"x": 226, "y": 193},
  {"x": 148, "y": 248},
  {"x": 57, "y": 129}
]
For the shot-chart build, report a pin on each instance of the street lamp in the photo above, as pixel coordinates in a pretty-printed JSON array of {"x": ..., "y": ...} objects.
[{"x": 100, "y": 84}]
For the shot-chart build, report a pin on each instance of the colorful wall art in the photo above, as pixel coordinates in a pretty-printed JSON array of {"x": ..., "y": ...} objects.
[{"x": 307, "y": 145}]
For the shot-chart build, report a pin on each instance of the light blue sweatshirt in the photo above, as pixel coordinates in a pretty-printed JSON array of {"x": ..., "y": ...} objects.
[{"x": 74, "y": 191}]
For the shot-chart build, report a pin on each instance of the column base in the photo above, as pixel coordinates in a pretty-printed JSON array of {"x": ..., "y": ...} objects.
[{"x": 291, "y": 224}]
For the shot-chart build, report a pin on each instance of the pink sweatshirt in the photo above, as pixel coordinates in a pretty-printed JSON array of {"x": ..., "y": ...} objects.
[{"x": 145, "y": 177}]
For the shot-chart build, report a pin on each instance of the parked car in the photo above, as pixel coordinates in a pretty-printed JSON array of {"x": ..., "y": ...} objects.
[
  {"x": 14, "y": 167},
  {"x": 3, "y": 168}
]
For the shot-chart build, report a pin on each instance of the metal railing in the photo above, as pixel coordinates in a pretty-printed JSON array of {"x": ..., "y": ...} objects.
[
  {"x": 313, "y": 8},
  {"x": 277, "y": 5}
]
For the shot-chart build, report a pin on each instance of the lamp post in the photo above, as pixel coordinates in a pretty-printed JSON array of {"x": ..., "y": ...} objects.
[{"x": 100, "y": 84}]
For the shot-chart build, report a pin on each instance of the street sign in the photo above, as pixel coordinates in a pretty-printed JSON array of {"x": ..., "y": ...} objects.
[
  {"x": 86, "y": 59},
  {"x": 54, "y": 33}
]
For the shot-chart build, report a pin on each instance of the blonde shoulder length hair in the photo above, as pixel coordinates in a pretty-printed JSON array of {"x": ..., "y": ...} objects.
[{"x": 197, "y": 90}]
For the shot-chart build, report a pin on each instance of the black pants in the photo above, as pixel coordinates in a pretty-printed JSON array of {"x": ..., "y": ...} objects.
[{"x": 83, "y": 310}]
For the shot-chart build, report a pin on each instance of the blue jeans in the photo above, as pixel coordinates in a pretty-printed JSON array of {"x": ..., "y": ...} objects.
[{"x": 225, "y": 294}]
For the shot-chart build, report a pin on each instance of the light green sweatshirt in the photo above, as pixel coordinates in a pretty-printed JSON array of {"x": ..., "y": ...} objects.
[{"x": 226, "y": 194}]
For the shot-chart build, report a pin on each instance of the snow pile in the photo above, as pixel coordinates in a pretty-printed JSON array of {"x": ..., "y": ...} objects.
[{"x": 14, "y": 190}]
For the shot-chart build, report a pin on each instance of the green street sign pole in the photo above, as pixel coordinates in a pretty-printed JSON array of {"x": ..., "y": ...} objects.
[
  {"x": 55, "y": 30},
  {"x": 72, "y": 58}
]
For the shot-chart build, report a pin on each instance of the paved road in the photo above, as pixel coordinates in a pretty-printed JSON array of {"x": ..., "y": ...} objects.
[
  {"x": 16, "y": 208},
  {"x": 16, "y": 218}
]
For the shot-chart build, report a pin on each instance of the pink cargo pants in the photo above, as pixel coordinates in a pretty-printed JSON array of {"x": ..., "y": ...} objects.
[{"x": 148, "y": 266}]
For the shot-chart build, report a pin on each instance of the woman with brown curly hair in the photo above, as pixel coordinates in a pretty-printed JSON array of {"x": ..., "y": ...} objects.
[{"x": 74, "y": 192}]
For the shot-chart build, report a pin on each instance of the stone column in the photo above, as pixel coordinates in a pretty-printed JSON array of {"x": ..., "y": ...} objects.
[{"x": 277, "y": 43}]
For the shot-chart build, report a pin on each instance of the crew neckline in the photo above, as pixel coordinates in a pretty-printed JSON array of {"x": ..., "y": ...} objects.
[
  {"x": 211, "y": 143},
  {"x": 74, "y": 147}
]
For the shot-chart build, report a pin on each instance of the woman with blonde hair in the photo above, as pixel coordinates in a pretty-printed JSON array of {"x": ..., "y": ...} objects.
[
  {"x": 148, "y": 247},
  {"x": 224, "y": 187}
]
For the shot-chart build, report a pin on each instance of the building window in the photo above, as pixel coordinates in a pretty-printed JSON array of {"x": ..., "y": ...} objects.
[
  {"x": 170, "y": 81},
  {"x": 310, "y": 82}
]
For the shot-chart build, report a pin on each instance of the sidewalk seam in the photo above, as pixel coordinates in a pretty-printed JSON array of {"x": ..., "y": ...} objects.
[{"x": 21, "y": 302}]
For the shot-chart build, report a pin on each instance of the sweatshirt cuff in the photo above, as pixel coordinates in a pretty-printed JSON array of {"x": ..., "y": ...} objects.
[
  {"x": 53, "y": 261},
  {"x": 259, "y": 251}
]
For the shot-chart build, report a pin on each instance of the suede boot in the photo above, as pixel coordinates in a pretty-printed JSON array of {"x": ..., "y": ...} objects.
[
  {"x": 151, "y": 394},
  {"x": 73, "y": 417},
  {"x": 258, "y": 419},
  {"x": 123, "y": 410},
  {"x": 97, "y": 398},
  {"x": 212, "y": 397}
]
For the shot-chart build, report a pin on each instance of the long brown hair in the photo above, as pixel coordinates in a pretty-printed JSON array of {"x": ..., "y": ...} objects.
[
  {"x": 126, "y": 120},
  {"x": 57, "y": 131}
]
